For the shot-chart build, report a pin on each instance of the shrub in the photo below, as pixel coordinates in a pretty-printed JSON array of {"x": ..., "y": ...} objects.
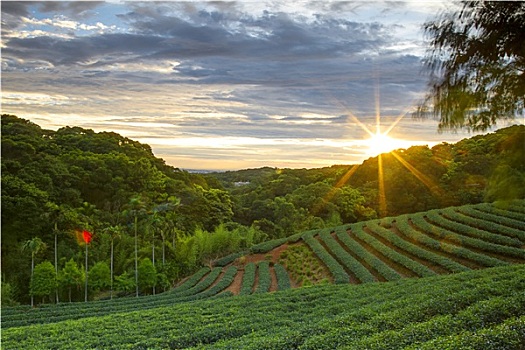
[{"x": 44, "y": 280}]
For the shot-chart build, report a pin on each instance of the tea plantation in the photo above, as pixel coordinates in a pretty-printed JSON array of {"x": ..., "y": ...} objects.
[{"x": 453, "y": 278}]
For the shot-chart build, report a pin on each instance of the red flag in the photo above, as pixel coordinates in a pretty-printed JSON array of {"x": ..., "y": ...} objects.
[{"x": 87, "y": 236}]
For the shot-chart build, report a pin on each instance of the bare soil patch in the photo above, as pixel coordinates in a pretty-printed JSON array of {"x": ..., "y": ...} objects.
[
  {"x": 235, "y": 287},
  {"x": 273, "y": 285}
]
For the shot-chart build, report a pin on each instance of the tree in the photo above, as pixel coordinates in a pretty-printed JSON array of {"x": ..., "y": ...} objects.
[
  {"x": 125, "y": 283},
  {"x": 136, "y": 208},
  {"x": 100, "y": 276},
  {"x": 477, "y": 64},
  {"x": 147, "y": 275},
  {"x": 44, "y": 280},
  {"x": 8, "y": 294},
  {"x": 33, "y": 245},
  {"x": 162, "y": 224},
  {"x": 114, "y": 232},
  {"x": 70, "y": 276},
  {"x": 59, "y": 214},
  {"x": 163, "y": 281}
]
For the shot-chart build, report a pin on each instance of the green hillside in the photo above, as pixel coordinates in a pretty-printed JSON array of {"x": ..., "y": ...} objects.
[
  {"x": 471, "y": 258},
  {"x": 168, "y": 223},
  {"x": 434, "y": 242},
  {"x": 480, "y": 309}
]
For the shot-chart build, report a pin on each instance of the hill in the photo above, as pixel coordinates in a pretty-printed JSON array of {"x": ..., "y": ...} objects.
[
  {"x": 144, "y": 213},
  {"x": 55, "y": 183},
  {"x": 484, "y": 168},
  {"x": 480, "y": 309},
  {"x": 439, "y": 241},
  {"x": 471, "y": 257}
]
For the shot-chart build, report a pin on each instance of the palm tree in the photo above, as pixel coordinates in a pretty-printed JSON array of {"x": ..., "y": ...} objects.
[
  {"x": 114, "y": 232},
  {"x": 33, "y": 245},
  {"x": 136, "y": 207},
  {"x": 163, "y": 223},
  {"x": 54, "y": 212}
]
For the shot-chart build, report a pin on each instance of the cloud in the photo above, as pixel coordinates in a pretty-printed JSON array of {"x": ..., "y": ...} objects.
[
  {"x": 76, "y": 9},
  {"x": 270, "y": 79}
]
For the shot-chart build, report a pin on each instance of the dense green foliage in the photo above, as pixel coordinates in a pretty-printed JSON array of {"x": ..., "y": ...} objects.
[
  {"x": 473, "y": 310},
  {"x": 55, "y": 183},
  {"x": 44, "y": 280},
  {"x": 476, "y": 64},
  {"x": 71, "y": 277},
  {"x": 58, "y": 183},
  {"x": 451, "y": 309},
  {"x": 283, "y": 201}
]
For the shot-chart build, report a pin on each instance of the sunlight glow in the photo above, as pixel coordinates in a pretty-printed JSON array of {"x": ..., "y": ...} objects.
[{"x": 382, "y": 143}]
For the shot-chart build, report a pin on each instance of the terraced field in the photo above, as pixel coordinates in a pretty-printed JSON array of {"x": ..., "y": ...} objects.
[
  {"x": 434, "y": 245},
  {"x": 481, "y": 309},
  {"x": 436, "y": 242}
]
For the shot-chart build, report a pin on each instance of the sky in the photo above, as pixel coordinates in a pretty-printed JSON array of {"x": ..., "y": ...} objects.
[{"x": 225, "y": 85}]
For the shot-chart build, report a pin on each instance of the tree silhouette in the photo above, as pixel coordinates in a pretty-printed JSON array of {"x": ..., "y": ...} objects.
[{"x": 477, "y": 64}]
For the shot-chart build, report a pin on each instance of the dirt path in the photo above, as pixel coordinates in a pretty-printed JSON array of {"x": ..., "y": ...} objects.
[
  {"x": 273, "y": 285},
  {"x": 235, "y": 287}
]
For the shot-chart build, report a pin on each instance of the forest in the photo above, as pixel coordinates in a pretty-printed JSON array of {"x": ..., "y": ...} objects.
[{"x": 153, "y": 224}]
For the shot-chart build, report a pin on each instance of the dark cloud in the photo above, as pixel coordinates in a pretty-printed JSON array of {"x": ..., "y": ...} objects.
[
  {"x": 74, "y": 9},
  {"x": 157, "y": 32},
  {"x": 13, "y": 12},
  {"x": 16, "y": 8},
  {"x": 99, "y": 48}
]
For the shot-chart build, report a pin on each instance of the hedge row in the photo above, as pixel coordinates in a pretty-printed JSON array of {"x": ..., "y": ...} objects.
[
  {"x": 225, "y": 281},
  {"x": 436, "y": 218},
  {"x": 452, "y": 214},
  {"x": 517, "y": 206},
  {"x": 414, "y": 266},
  {"x": 508, "y": 335},
  {"x": 384, "y": 270},
  {"x": 485, "y": 260},
  {"x": 511, "y": 211},
  {"x": 413, "y": 249},
  {"x": 248, "y": 279},
  {"x": 480, "y": 315},
  {"x": 69, "y": 311},
  {"x": 46, "y": 312},
  {"x": 338, "y": 272},
  {"x": 265, "y": 278},
  {"x": 265, "y": 247},
  {"x": 465, "y": 241},
  {"x": 191, "y": 281},
  {"x": 348, "y": 260},
  {"x": 502, "y": 220},
  {"x": 283, "y": 279},
  {"x": 407, "y": 230},
  {"x": 228, "y": 259},
  {"x": 412, "y": 313}
]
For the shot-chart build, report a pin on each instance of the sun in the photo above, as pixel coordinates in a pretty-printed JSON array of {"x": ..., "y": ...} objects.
[{"x": 382, "y": 143}]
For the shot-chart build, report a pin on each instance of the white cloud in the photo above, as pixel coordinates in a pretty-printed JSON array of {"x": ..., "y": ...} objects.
[{"x": 31, "y": 98}]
